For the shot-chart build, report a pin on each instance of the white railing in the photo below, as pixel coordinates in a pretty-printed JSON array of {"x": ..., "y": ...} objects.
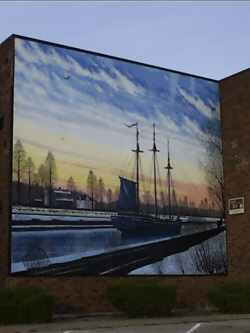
[{"x": 54, "y": 211}]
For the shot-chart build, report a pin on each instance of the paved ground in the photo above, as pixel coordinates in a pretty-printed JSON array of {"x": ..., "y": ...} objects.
[{"x": 200, "y": 324}]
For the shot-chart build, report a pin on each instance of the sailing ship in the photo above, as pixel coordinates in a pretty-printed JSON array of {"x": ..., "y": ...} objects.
[{"x": 129, "y": 219}]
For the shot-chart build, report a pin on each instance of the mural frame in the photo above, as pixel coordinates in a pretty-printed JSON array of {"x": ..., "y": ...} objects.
[{"x": 10, "y": 273}]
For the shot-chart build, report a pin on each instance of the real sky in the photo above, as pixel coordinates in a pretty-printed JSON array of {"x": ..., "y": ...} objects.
[{"x": 204, "y": 38}]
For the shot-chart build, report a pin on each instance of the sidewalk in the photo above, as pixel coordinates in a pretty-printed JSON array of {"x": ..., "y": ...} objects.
[{"x": 199, "y": 324}]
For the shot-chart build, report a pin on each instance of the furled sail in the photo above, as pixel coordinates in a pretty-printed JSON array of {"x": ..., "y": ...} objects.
[{"x": 127, "y": 196}]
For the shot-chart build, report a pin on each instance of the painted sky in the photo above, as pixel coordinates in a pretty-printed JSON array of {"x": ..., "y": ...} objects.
[{"x": 76, "y": 104}]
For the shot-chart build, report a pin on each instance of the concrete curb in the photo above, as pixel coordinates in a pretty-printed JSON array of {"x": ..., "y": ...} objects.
[{"x": 100, "y": 322}]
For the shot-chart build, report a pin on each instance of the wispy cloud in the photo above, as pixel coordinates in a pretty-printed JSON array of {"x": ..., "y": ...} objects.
[
  {"x": 68, "y": 65},
  {"x": 207, "y": 110}
]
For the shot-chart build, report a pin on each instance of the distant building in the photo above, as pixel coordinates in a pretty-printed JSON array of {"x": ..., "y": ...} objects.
[
  {"x": 83, "y": 201},
  {"x": 65, "y": 199}
]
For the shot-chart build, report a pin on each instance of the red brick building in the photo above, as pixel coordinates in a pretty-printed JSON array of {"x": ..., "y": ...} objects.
[{"x": 88, "y": 292}]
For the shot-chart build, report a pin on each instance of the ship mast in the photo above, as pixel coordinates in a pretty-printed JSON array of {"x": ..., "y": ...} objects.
[
  {"x": 169, "y": 168},
  {"x": 137, "y": 151},
  {"x": 155, "y": 150}
]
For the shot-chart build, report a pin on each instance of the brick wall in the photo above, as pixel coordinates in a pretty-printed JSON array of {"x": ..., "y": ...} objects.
[
  {"x": 6, "y": 62},
  {"x": 88, "y": 293},
  {"x": 235, "y": 111}
]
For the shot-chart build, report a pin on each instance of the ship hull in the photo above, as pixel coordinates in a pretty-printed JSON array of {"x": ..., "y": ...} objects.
[{"x": 140, "y": 225}]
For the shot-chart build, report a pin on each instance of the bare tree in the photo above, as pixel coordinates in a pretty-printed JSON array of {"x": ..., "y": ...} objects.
[
  {"x": 100, "y": 191},
  {"x": 50, "y": 173},
  {"x": 42, "y": 175},
  {"x": 71, "y": 185},
  {"x": 19, "y": 165},
  {"x": 50, "y": 169},
  {"x": 91, "y": 186},
  {"x": 213, "y": 167},
  {"x": 210, "y": 257},
  {"x": 30, "y": 167}
]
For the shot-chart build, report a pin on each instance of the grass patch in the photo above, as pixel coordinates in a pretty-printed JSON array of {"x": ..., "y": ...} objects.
[
  {"x": 146, "y": 299},
  {"x": 231, "y": 297},
  {"x": 25, "y": 305}
]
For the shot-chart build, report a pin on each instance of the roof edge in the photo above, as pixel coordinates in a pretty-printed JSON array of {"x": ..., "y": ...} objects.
[
  {"x": 235, "y": 74},
  {"x": 110, "y": 56}
]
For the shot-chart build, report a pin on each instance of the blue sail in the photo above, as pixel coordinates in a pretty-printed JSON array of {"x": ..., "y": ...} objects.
[{"x": 127, "y": 196}]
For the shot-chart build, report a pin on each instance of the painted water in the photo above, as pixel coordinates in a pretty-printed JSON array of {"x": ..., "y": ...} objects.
[{"x": 41, "y": 248}]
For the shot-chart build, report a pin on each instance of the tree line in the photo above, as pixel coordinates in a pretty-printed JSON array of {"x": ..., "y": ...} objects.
[
  {"x": 30, "y": 181},
  {"x": 25, "y": 172}
]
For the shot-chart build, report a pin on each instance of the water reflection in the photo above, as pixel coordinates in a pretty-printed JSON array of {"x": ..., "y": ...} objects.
[{"x": 57, "y": 244}]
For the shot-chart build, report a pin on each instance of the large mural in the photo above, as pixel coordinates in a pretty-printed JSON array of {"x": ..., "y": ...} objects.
[{"x": 117, "y": 167}]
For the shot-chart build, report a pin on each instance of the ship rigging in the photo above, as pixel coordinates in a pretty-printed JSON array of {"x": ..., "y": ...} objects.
[{"x": 129, "y": 218}]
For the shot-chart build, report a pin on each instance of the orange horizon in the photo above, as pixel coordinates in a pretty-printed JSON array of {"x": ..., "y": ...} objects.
[{"x": 79, "y": 171}]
